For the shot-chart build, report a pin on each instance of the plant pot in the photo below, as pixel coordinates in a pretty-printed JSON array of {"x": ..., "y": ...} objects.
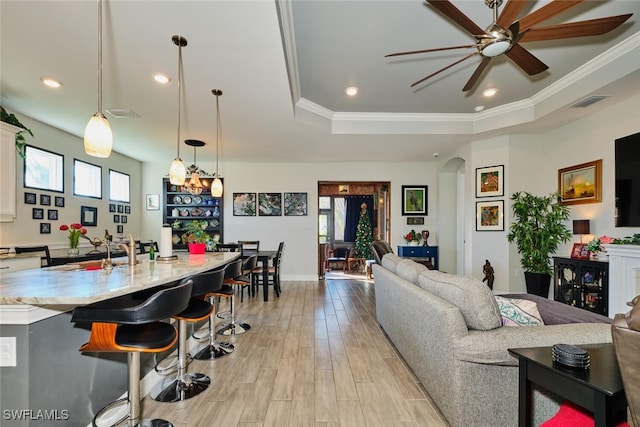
[
  {"x": 537, "y": 283},
  {"x": 412, "y": 243},
  {"x": 197, "y": 248},
  {"x": 73, "y": 252}
]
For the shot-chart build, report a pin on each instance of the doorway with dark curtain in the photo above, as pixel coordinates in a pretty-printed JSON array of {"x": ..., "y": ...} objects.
[{"x": 354, "y": 208}]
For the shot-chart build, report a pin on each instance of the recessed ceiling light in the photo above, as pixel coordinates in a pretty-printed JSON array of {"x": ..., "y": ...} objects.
[
  {"x": 161, "y": 78},
  {"x": 489, "y": 92},
  {"x": 51, "y": 82},
  {"x": 351, "y": 91},
  {"x": 479, "y": 108}
]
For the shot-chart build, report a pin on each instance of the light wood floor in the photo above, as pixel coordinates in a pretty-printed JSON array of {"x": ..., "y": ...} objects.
[{"x": 313, "y": 357}]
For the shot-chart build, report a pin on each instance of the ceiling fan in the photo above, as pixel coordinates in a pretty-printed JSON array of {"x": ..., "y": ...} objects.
[{"x": 505, "y": 34}]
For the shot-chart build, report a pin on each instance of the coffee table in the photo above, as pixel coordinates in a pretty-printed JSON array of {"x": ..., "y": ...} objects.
[{"x": 598, "y": 389}]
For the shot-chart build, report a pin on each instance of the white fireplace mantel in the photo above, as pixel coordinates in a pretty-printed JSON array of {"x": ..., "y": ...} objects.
[{"x": 624, "y": 276}]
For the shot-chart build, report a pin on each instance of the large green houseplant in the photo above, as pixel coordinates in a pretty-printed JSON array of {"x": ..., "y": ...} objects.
[
  {"x": 21, "y": 141},
  {"x": 538, "y": 228}
]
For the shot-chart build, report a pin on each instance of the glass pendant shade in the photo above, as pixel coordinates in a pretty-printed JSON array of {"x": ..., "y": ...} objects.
[
  {"x": 194, "y": 186},
  {"x": 216, "y": 187},
  {"x": 98, "y": 138},
  {"x": 177, "y": 172}
]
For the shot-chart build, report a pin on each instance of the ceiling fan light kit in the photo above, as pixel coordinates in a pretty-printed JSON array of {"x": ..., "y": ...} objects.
[{"x": 504, "y": 35}]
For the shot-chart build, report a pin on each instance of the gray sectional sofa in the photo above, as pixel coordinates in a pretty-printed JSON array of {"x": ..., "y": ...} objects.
[{"x": 448, "y": 329}]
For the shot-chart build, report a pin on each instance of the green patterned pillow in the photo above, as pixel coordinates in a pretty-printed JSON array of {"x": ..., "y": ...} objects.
[{"x": 518, "y": 312}]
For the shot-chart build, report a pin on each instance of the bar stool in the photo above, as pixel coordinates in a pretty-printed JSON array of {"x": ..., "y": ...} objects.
[
  {"x": 186, "y": 385},
  {"x": 214, "y": 349},
  {"x": 134, "y": 330},
  {"x": 232, "y": 271}
]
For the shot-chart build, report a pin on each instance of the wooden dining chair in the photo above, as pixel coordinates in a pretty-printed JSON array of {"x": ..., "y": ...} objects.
[
  {"x": 228, "y": 247},
  {"x": 143, "y": 247},
  {"x": 44, "y": 250},
  {"x": 273, "y": 273},
  {"x": 249, "y": 247}
]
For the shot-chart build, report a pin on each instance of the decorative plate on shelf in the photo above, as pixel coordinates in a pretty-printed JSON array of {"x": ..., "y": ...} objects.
[
  {"x": 184, "y": 212},
  {"x": 187, "y": 200},
  {"x": 214, "y": 223},
  {"x": 197, "y": 212},
  {"x": 175, "y": 239},
  {"x": 197, "y": 200},
  {"x": 177, "y": 200}
]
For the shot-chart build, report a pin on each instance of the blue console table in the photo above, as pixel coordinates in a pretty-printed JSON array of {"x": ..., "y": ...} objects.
[{"x": 420, "y": 252}]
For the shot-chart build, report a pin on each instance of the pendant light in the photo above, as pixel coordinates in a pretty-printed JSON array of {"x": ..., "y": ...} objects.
[
  {"x": 177, "y": 171},
  {"x": 98, "y": 138},
  {"x": 216, "y": 185},
  {"x": 194, "y": 186}
]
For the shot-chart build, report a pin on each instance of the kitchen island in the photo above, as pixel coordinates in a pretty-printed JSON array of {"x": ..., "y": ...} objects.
[{"x": 50, "y": 373}]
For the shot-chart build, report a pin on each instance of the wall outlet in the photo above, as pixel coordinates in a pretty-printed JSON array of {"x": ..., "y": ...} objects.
[{"x": 8, "y": 351}]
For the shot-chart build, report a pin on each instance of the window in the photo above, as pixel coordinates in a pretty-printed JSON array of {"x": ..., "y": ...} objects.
[
  {"x": 118, "y": 186},
  {"x": 331, "y": 219},
  {"x": 339, "y": 217},
  {"x": 43, "y": 169},
  {"x": 87, "y": 179}
]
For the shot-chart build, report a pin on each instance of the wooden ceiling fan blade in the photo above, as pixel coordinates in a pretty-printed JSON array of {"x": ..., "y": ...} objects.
[
  {"x": 510, "y": 12},
  {"x": 476, "y": 74},
  {"x": 592, "y": 27},
  {"x": 525, "y": 60},
  {"x": 546, "y": 12},
  {"x": 443, "y": 69},
  {"x": 450, "y": 11},
  {"x": 412, "y": 52}
]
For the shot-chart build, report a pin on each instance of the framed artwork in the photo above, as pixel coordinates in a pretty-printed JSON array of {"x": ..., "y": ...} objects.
[
  {"x": 414, "y": 200},
  {"x": 45, "y": 200},
  {"x": 112, "y": 207},
  {"x": 37, "y": 213},
  {"x": 343, "y": 189},
  {"x": 127, "y": 209},
  {"x": 88, "y": 216},
  {"x": 120, "y": 208},
  {"x": 490, "y": 215},
  {"x": 116, "y": 219},
  {"x": 30, "y": 198},
  {"x": 490, "y": 181},
  {"x": 580, "y": 251},
  {"x": 153, "y": 202},
  {"x": 45, "y": 228},
  {"x": 123, "y": 219},
  {"x": 581, "y": 183},
  {"x": 270, "y": 204},
  {"x": 244, "y": 204},
  {"x": 415, "y": 220},
  {"x": 295, "y": 204},
  {"x": 52, "y": 214},
  {"x": 59, "y": 201}
]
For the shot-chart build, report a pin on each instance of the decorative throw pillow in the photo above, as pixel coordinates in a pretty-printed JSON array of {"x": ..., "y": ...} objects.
[{"x": 519, "y": 312}]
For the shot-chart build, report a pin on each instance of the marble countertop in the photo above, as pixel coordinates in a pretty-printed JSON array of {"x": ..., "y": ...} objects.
[{"x": 65, "y": 285}]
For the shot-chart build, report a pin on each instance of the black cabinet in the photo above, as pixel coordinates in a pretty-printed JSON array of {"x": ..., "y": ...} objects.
[
  {"x": 582, "y": 283},
  {"x": 180, "y": 207}
]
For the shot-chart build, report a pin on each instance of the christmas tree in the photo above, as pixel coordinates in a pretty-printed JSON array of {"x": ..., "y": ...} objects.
[{"x": 364, "y": 236}]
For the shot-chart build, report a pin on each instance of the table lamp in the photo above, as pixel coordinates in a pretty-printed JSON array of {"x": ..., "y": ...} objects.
[{"x": 581, "y": 227}]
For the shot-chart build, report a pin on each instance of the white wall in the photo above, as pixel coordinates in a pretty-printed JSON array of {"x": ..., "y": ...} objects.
[
  {"x": 299, "y": 233},
  {"x": 25, "y": 231}
]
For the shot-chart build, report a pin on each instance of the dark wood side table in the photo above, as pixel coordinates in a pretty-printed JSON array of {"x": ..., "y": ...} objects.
[{"x": 598, "y": 390}]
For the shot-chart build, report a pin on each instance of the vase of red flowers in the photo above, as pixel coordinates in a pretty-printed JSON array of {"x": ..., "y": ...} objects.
[
  {"x": 413, "y": 238},
  {"x": 75, "y": 231}
]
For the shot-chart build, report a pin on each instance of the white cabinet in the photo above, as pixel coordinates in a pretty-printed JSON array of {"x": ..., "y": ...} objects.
[
  {"x": 11, "y": 264},
  {"x": 8, "y": 172}
]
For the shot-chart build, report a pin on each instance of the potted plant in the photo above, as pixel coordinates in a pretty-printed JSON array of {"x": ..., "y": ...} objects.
[
  {"x": 13, "y": 120},
  {"x": 413, "y": 238},
  {"x": 197, "y": 236},
  {"x": 538, "y": 228}
]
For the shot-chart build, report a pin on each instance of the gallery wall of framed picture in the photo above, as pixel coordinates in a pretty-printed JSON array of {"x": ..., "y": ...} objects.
[
  {"x": 490, "y": 186},
  {"x": 270, "y": 204}
]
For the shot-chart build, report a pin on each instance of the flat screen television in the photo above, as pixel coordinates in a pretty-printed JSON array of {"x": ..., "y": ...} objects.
[{"x": 628, "y": 181}]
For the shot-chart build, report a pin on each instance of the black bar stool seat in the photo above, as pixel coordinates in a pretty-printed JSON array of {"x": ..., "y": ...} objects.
[{"x": 146, "y": 336}]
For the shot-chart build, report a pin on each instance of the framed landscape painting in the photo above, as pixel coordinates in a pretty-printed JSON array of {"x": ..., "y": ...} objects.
[
  {"x": 490, "y": 181},
  {"x": 414, "y": 199},
  {"x": 581, "y": 183},
  {"x": 490, "y": 215}
]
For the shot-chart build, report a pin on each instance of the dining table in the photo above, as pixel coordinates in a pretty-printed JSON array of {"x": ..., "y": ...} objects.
[{"x": 263, "y": 258}]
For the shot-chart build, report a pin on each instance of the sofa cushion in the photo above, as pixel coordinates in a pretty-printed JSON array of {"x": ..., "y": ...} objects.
[
  {"x": 519, "y": 312},
  {"x": 474, "y": 299},
  {"x": 390, "y": 262},
  {"x": 409, "y": 270}
]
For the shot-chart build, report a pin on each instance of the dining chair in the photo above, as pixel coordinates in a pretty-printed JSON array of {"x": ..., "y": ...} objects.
[
  {"x": 249, "y": 247},
  {"x": 273, "y": 274},
  {"x": 143, "y": 247},
  {"x": 228, "y": 247},
  {"x": 45, "y": 259}
]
